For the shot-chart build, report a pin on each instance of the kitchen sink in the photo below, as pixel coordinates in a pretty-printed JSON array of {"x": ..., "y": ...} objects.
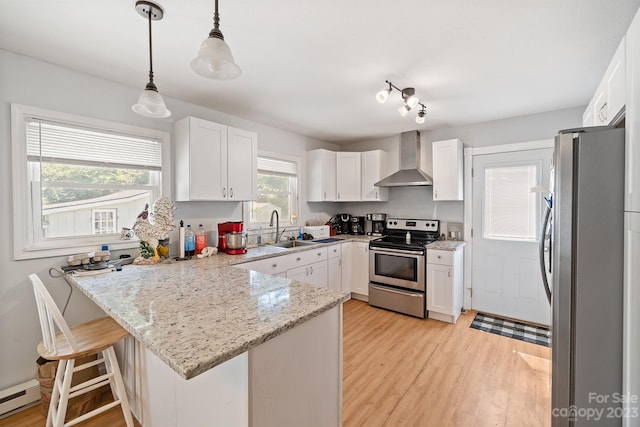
[{"x": 293, "y": 244}]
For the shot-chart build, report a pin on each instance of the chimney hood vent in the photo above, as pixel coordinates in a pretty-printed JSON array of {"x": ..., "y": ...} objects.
[{"x": 410, "y": 173}]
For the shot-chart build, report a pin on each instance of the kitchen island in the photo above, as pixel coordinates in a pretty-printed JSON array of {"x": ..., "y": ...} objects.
[{"x": 216, "y": 345}]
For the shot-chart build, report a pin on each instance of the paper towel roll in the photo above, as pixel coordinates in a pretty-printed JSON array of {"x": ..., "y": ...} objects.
[{"x": 181, "y": 243}]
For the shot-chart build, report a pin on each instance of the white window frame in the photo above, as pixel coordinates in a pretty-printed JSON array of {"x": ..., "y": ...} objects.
[
  {"x": 247, "y": 205},
  {"x": 25, "y": 246}
]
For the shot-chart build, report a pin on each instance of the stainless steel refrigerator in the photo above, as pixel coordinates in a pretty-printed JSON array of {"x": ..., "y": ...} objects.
[{"x": 587, "y": 277}]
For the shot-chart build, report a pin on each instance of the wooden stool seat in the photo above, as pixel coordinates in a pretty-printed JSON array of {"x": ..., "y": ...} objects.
[
  {"x": 65, "y": 344},
  {"x": 92, "y": 338}
]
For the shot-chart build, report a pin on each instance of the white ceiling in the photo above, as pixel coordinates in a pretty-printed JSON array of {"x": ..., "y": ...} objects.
[{"x": 314, "y": 67}]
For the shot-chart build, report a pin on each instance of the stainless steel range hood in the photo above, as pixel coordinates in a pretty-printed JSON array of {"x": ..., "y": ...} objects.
[{"x": 410, "y": 173}]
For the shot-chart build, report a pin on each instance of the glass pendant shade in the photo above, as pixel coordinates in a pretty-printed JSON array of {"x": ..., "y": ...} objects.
[
  {"x": 404, "y": 110},
  {"x": 215, "y": 60},
  {"x": 151, "y": 104},
  {"x": 420, "y": 118},
  {"x": 383, "y": 95}
]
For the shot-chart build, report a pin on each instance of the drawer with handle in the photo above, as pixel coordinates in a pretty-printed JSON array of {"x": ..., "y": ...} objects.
[{"x": 435, "y": 256}]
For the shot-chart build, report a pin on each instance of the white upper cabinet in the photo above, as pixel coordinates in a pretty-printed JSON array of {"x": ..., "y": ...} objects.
[
  {"x": 447, "y": 170},
  {"x": 374, "y": 168},
  {"x": 242, "y": 164},
  {"x": 321, "y": 176},
  {"x": 610, "y": 96},
  {"x": 214, "y": 162},
  {"x": 348, "y": 176},
  {"x": 632, "y": 117}
]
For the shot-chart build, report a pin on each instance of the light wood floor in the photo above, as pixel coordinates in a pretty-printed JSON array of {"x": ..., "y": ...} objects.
[{"x": 403, "y": 371}]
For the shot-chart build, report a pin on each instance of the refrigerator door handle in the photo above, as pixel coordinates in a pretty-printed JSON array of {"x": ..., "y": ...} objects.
[{"x": 543, "y": 267}]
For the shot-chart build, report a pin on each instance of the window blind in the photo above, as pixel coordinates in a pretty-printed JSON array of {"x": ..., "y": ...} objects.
[
  {"x": 63, "y": 143},
  {"x": 268, "y": 165}
]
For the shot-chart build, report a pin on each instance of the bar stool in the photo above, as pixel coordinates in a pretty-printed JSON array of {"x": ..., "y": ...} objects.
[{"x": 86, "y": 339}]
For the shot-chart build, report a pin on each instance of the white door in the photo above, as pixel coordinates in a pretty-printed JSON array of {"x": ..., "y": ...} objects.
[{"x": 505, "y": 276}]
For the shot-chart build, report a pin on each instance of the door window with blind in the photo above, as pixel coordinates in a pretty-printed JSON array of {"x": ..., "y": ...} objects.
[
  {"x": 79, "y": 181},
  {"x": 510, "y": 208},
  {"x": 277, "y": 190}
]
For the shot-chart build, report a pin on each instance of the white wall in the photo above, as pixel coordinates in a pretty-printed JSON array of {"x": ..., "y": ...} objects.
[
  {"x": 28, "y": 81},
  {"x": 417, "y": 202}
]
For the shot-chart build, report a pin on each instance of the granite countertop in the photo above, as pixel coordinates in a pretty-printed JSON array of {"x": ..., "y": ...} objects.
[
  {"x": 446, "y": 245},
  {"x": 197, "y": 314}
]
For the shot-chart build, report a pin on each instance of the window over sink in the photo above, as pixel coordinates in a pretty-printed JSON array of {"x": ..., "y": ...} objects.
[
  {"x": 78, "y": 181},
  {"x": 277, "y": 190}
]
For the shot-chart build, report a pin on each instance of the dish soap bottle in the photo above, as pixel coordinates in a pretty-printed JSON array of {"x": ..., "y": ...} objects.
[{"x": 407, "y": 238}]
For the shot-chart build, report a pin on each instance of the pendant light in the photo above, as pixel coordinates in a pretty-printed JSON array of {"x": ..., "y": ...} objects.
[
  {"x": 150, "y": 102},
  {"x": 214, "y": 59}
]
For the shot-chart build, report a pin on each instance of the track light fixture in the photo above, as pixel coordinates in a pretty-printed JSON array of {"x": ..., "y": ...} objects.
[
  {"x": 150, "y": 102},
  {"x": 408, "y": 96}
]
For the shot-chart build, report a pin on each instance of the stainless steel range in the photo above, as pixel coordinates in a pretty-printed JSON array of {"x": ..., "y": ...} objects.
[{"x": 397, "y": 265}]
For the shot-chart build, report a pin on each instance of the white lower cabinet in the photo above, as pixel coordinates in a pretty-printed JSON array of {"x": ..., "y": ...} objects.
[
  {"x": 347, "y": 265},
  {"x": 444, "y": 284},
  {"x": 313, "y": 274},
  {"x": 334, "y": 267},
  {"x": 360, "y": 269}
]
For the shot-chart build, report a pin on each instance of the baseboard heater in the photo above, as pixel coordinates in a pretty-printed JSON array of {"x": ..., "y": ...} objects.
[{"x": 13, "y": 398}]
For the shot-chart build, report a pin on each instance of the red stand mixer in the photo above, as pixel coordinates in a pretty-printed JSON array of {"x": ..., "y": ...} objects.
[{"x": 231, "y": 238}]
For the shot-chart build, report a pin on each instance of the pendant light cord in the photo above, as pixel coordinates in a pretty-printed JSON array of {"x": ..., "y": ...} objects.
[{"x": 150, "y": 50}]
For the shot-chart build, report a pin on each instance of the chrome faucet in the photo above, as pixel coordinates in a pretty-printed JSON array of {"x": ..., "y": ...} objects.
[{"x": 277, "y": 224}]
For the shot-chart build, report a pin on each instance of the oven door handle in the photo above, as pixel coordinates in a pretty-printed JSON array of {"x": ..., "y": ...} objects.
[
  {"x": 397, "y": 251},
  {"x": 393, "y": 291}
]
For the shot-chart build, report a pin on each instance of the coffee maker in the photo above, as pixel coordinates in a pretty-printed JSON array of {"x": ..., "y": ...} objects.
[
  {"x": 231, "y": 238},
  {"x": 343, "y": 222},
  {"x": 357, "y": 225},
  {"x": 378, "y": 224}
]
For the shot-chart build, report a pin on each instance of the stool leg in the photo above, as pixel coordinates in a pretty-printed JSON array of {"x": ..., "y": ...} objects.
[
  {"x": 64, "y": 393},
  {"x": 112, "y": 366},
  {"x": 55, "y": 392}
]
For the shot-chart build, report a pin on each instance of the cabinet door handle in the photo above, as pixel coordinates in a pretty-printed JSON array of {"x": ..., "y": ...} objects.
[
  {"x": 338, "y": 196},
  {"x": 298, "y": 259},
  {"x": 319, "y": 253},
  {"x": 306, "y": 271},
  {"x": 231, "y": 192},
  {"x": 339, "y": 262},
  {"x": 224, "y": 191},
  {"x": 274, "y": 265},
  {"x": 439, "y": 256},
  {"x": 436, "y": 194},
  {"x": 376, "y": 194},
  {"x": 448, "y": 273},
  {"x": 325, "y": 194},
  {"x": 311, "y": 269}
]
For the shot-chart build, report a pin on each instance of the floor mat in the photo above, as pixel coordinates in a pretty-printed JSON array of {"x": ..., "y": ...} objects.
[{"x": 512, "y": 329}]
